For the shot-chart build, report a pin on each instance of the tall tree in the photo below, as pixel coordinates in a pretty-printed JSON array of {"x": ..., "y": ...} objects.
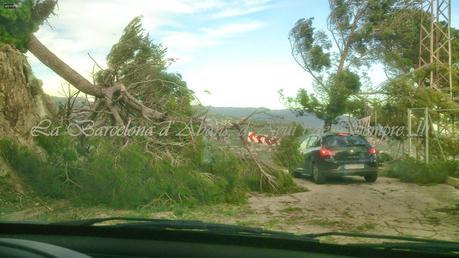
[{"x": 336, "y": 64}]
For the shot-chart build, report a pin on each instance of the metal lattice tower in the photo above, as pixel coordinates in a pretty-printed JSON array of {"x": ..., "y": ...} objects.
[{"x": 435, "y": 45}]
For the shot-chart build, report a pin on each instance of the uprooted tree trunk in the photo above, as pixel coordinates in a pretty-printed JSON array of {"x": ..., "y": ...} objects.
[{"x": 111, "y": 97}]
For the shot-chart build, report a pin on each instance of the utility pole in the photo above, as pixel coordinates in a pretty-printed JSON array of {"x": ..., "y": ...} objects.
[{"x": 426, "y": 122}]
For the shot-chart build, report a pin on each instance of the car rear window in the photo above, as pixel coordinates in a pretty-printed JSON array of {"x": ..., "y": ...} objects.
[{"x": 342, "y": 141}]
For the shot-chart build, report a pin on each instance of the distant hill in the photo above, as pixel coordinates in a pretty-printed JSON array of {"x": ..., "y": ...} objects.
[{"x": 274, "y": 115}]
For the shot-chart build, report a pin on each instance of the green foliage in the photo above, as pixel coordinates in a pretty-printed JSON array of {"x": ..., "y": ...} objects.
[
  {"x": 336, "y": 80},
  {"x": 364, "y": 33},
  {"x": 310, "y": 45},
  {"x": 287, "y": 153},
  {"x": 402, "y": 94},
  {"x": 397, "y": 40},
  {"x": 141, "y": 65},
  {"x": 450, "y": 146},
  {"x": 304, "y": 102},
  {"x": 344, "y": 84},
  {"x": 415, "y": 171},
  {"x": 396, "y": 44},
  {"x": 134, "y": 48},
  {"x": 338, "y": 100},
  {"x": 90, "y": 172},
  {"x": 383, "y": 157},
  {"x": 17, "y": 24},
  {"x": 347, "y": 81},
  {"x": 452, "y": 166},
  {"x": 60, "y": 147},
  {"x": 45, "y": 178}
]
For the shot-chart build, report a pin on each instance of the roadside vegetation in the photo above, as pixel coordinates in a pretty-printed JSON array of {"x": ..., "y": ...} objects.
[
  {"x": 95, "y": 173},
  {"x": 416, "y": 171},
  {"x": 287, "y": 153}
]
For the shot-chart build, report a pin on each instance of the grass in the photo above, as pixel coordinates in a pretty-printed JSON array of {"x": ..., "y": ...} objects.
[
  {"x": 10, "y": 199},
  {"x": 414, "y": 171},
  {"x": 92, "y": 172}
]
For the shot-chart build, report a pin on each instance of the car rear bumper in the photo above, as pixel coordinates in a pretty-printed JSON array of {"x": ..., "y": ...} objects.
[{"x": 338, "y": 169}]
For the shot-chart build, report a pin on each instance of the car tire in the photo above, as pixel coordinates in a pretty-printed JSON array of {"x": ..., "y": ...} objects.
[
  {"x": 370, "y": 178},
  {"x": 317, "y": 175}
]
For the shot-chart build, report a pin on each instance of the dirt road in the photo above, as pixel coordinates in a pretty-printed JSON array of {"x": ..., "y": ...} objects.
[
  {"x": 349, "y": 204},
  {"x": 387, "y": 206}
]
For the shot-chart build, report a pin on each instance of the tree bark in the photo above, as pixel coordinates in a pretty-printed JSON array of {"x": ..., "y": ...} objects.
[
  {"x": 62, "y": 69},
  {"x": 107, "y": 92}
]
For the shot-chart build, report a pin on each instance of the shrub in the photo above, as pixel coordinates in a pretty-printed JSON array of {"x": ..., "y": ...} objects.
[
  {"x": 287, "y": 153},
  {"x": 383, "y": 157},
  {"x": 415, "y": 171},
  {"x": 43, "y": 177},
  {"x": 451, "y": 167}
]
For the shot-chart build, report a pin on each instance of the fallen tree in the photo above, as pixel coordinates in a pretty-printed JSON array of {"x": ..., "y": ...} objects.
[{"x": 135, "y": 88}]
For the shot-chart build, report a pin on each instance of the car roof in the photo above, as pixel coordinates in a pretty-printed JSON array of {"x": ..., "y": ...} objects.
[{"x": 333, "y": 133}]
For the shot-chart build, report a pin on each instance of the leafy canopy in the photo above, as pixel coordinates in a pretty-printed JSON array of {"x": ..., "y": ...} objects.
[
  {"x": 16, "y": 25},
  {"x": 142, "y": 65},
  {"x": 337, "y": 76}
]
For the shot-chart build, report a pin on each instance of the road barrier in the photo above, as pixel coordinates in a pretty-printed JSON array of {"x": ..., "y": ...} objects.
[{"x": 262, "y": 139}]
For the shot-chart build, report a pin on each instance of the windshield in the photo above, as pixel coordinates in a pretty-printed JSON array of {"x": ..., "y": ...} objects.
[
  {"x": 223, "y": 111},
  {"x": 343, "y": 141}
]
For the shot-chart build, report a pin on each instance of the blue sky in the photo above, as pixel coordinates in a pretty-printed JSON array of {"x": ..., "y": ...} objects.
[{"x": 230, "y": 52}]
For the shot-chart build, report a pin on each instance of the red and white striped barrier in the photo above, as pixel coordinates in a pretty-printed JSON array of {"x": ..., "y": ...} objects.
[{"x": 262, "y": 139}]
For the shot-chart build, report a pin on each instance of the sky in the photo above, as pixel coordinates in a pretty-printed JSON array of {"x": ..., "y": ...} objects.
[{"x": 230, "y": 52}]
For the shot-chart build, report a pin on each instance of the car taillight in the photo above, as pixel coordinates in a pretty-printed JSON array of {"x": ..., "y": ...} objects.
[
  {"x": 372, "y": 151},
  {"x": 324, "y": 152}
]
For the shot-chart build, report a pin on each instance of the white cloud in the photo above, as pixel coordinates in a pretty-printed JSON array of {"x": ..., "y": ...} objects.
[
  {"x": 229, "y": 30},
  {"x": 187, "y": 41},
  {"x": 238, "y": 8},
  {"x": 252, "y": 84},
  {"x": 183, "y": 44}
]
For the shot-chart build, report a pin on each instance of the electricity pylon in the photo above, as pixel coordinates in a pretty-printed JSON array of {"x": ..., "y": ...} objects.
[{"x": 435, "y": 45}]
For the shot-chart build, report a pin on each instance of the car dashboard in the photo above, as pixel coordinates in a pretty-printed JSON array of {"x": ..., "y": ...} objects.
[{"x": 113, "y": 241}]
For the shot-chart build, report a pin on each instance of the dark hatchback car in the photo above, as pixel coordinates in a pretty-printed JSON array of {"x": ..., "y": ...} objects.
[{"x": 337, "y": 154}]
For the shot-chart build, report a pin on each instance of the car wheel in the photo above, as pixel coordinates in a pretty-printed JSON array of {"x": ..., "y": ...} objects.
[
  {"x": 370, "y": 178},
  {"x": 317, "y": 175}
]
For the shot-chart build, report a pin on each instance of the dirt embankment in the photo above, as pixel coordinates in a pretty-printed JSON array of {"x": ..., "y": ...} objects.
[
  {"x": 22, "y": 105},
  {"x": 22, "y": 101}
]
